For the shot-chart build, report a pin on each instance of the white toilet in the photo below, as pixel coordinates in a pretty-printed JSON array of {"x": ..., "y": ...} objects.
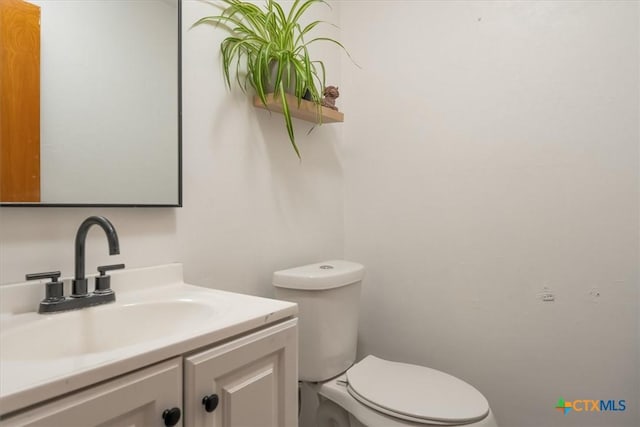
[{"x": 373, "y": 392}]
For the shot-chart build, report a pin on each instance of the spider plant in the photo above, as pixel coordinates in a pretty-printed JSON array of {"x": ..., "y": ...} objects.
[{"x": 267, "y": 50}]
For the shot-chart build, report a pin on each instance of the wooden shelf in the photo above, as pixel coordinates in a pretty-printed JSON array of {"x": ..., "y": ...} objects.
[{"x": 306, "y": 111}]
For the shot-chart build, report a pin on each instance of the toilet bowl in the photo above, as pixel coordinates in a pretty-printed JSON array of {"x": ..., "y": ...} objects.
[
  {"x": 373, "y": 392},
  {"x": 381, "y": 393}
]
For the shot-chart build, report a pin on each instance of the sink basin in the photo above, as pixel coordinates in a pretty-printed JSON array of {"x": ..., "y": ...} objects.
[{"x": 100, "y": 329}]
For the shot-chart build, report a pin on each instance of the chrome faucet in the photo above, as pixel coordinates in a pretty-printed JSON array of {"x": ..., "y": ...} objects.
[
  {"x": 79, "y": 284},
  {"x": 55, "y": 300}
]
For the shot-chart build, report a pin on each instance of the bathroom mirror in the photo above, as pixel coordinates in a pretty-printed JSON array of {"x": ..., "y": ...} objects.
[{"x": 109, "y": 106}]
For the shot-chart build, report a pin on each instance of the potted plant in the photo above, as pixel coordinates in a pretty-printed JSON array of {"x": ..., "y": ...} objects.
[{"x": 268, "y": 51}]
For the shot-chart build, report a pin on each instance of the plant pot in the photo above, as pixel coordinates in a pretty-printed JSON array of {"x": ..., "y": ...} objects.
[{"x": 288, "y": 82}]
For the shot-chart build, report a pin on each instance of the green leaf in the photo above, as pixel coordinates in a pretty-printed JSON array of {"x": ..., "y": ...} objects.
[{"x": 287, "y": 119}]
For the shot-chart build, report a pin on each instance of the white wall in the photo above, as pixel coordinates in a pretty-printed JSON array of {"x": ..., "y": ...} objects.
[
  {"x": 250, "y": 206},
  {"x": 34, "y": 240},
  {"x": 491, "y": 149}
]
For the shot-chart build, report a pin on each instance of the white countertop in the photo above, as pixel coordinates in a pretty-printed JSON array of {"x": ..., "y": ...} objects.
[{"x": 31, "y": 380}]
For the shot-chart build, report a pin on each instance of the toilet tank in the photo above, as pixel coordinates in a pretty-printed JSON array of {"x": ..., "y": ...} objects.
[{"x": 327, "y": 294}]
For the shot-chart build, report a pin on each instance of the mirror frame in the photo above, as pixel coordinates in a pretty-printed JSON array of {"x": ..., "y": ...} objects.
[{"x": 133, "y": 205}]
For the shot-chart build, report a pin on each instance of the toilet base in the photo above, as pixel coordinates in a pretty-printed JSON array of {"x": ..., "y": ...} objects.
[{"x": 330, "y": 414}]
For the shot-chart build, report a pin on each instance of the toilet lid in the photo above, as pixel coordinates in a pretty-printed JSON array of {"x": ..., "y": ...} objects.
[{"x": 415, "y": 393}]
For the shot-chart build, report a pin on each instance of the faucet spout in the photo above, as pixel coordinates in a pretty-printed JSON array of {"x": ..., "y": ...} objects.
[{"x": 79, "y": 284}]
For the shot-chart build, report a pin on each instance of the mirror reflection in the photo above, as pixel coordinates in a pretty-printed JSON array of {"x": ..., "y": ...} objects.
[{"x": 94, "y": 111}]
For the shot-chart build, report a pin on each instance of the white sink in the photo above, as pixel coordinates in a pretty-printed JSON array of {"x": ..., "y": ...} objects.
[
  {"x": 156, "y": 316},
  {"x": 100, "y": 329}
]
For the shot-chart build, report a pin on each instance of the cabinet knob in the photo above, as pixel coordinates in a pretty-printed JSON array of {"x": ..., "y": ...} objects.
[
  {"x": 171, "y": 416},
  {"x": 210, "y": 402}
]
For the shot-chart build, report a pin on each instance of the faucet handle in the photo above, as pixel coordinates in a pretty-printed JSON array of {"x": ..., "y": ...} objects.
[
  {"x": 103, "y": 281},
  {"x": 104, "y": 268},
  {"x": 53, "y": 275},
  {"x": 53, "y": 289}
]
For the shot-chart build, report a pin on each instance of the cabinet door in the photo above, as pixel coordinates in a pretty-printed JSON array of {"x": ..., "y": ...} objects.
[
  {"x": 136, "y": 399},
  {"x": 255, "y": 380}
]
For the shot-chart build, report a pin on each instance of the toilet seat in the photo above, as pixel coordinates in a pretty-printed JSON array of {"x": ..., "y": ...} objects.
[{"x": 415, "y": 393}]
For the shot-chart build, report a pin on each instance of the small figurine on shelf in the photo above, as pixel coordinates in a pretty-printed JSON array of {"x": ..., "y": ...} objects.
[{"x": 330, "y": 95}]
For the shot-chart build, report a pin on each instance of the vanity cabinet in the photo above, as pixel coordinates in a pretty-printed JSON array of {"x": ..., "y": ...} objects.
[
  {"x": 137, "y": 400},
  {"x": 248, "y": 382},
  {"x": 251, "y": 381}
]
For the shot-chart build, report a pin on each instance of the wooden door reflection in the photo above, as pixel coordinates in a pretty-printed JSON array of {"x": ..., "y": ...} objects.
[{"x": 20, "y": 101}]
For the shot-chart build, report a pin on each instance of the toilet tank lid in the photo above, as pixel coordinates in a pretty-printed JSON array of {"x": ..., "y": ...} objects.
[{"x": 318, "y": 276}]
